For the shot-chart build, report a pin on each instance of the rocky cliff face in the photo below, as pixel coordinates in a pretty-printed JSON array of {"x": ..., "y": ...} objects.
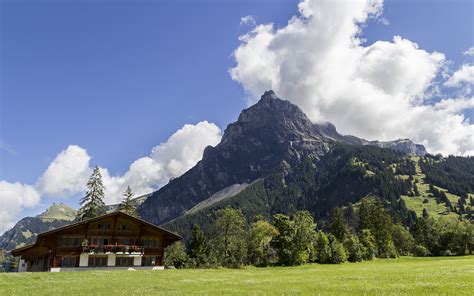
[
  {"x": 403, "y": 145},
  {"x": 264, "y": 135},
  {"x": 269, "y": 133}
]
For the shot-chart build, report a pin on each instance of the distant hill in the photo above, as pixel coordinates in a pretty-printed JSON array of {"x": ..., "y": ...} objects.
[{"x": 25, "y": 231}]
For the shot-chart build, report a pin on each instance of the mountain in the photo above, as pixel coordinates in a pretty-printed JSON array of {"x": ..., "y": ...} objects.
[
  {"x": 271, "y": 137},
  {"x": 406, "y": 146},
  {"x": 25, "y": 231}
]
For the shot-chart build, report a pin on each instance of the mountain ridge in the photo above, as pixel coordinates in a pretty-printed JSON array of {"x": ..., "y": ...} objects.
[{"x": 271, "y": 132}]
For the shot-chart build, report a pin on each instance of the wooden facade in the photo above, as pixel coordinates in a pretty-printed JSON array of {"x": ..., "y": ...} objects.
[{"x": 111, "y": 240}]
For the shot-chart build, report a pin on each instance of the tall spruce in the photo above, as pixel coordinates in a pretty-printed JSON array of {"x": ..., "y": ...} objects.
[
  {"x": 128, "y": 205},
  {"x": 92, "y": 204},
  {"x": 197, "y": 247}
]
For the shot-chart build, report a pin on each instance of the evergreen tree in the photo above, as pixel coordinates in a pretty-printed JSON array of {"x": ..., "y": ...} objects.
[
  {"x": 92, "y": 204},
  {"x": 197, "y": 247},
  {"x": 338, "y": 226},
  {"x": 128, "y": 205}
]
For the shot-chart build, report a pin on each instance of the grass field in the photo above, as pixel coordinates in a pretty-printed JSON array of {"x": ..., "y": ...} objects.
[{"x": 403, "y": 276}]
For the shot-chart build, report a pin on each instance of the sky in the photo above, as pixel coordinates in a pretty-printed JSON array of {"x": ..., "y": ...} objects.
[{"x": 140, "y": 88}]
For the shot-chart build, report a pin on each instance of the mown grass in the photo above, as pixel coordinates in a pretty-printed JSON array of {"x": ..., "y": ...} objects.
[{"x": 403, "y": 276}]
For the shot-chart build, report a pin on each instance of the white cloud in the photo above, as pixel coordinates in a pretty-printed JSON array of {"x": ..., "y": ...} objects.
[
  {"x": 167, "y": 160},
  {"x": 67, "y": 174},
  {"x": 247, "y": 21},
  {"x": 376, "y": 91},
  {"x": 465, "y": 74},
  {"x": 14, "y": 197},
  {"x": 469, "y": 52}
]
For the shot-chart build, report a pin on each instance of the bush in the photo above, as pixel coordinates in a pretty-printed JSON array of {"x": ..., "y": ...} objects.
[
  {"x": 175, "y": 255},
  {"x": 355, "y": 249},
  {"x": 420, "y": 251}
]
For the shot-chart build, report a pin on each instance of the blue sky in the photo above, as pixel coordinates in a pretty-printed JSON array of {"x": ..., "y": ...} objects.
[{"x": 120, "y": 77}]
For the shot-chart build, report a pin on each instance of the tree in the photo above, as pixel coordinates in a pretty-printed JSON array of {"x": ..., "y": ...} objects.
[
  {"x": 374, "y": 217},
  {"x": 128, "y": 205},
  {"x": 228, "y": 244},
  {"x": 402, "y": 239},
  {"x": 355, "y": 249},
  {"x": 197, "y": 247},
  {"x": 338, "y": 253},
  {"x": 175, "y": 255},
  {"x": 323, "y": 251},
  {"x": 303, "y": 242},
  {"x": 338, "y": 226},
  {"x": 92, "y": 204},
  {"x": 286, "y": 233},
  {"x": 368, "y": 241},
  {"x": 261, "y": 234}
]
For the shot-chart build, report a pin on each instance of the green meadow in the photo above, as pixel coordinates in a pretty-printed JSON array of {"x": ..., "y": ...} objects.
[{"x": 403, "y": 276}]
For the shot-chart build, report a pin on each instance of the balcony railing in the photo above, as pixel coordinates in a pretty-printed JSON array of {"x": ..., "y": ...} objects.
[{"x": 125, "y": 249}]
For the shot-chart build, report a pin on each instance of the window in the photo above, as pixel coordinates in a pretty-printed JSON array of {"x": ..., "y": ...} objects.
[
  {"x": 103, "y": 226},
  {"x": 70, "y": 242},
  {"x": 123, "y": 227},
  {"x": 99, "y": 241},
  {"x": 151, "y": 243},
  {"x": 97, "y": 261},
  {"x": 124, "y": 261},
  {"x": 69, "y": 261}
]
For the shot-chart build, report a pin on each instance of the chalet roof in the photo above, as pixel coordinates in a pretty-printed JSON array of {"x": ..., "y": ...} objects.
[{"x": 69, "y": 226}]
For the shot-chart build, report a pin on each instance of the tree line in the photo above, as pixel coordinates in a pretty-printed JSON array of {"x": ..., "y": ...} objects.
[{"x": 295, "y": 239}]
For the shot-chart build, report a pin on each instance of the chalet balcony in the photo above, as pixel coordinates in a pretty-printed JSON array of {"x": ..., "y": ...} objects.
[{"x": 115, "y": 249}]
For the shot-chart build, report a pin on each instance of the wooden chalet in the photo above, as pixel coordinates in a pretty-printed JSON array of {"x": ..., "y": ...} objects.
[{"x": 114, "y": 240}]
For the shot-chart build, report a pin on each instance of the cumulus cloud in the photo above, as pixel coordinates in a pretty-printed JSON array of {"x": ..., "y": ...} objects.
[
  {"x": 247, "y": 20},
  {"x": 376, "y": 91},
  {"x": 469, "y": 52},
  {"x": 167, "y": 160},
  {"x": 67, "y": 174},
  {"x": 14, "y": 197},
  {"x": 465, "y": 74}
]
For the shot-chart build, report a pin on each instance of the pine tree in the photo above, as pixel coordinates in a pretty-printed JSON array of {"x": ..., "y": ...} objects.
[
  {"x": 197, "y": 247},
  {"x": 92, "y": 204},
  {"x": 127, "y": 205}
]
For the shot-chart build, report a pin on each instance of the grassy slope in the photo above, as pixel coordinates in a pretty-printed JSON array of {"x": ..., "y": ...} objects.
[
  {"x": 404, "y": 276},
  {"x": 416, "y": 203}
]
